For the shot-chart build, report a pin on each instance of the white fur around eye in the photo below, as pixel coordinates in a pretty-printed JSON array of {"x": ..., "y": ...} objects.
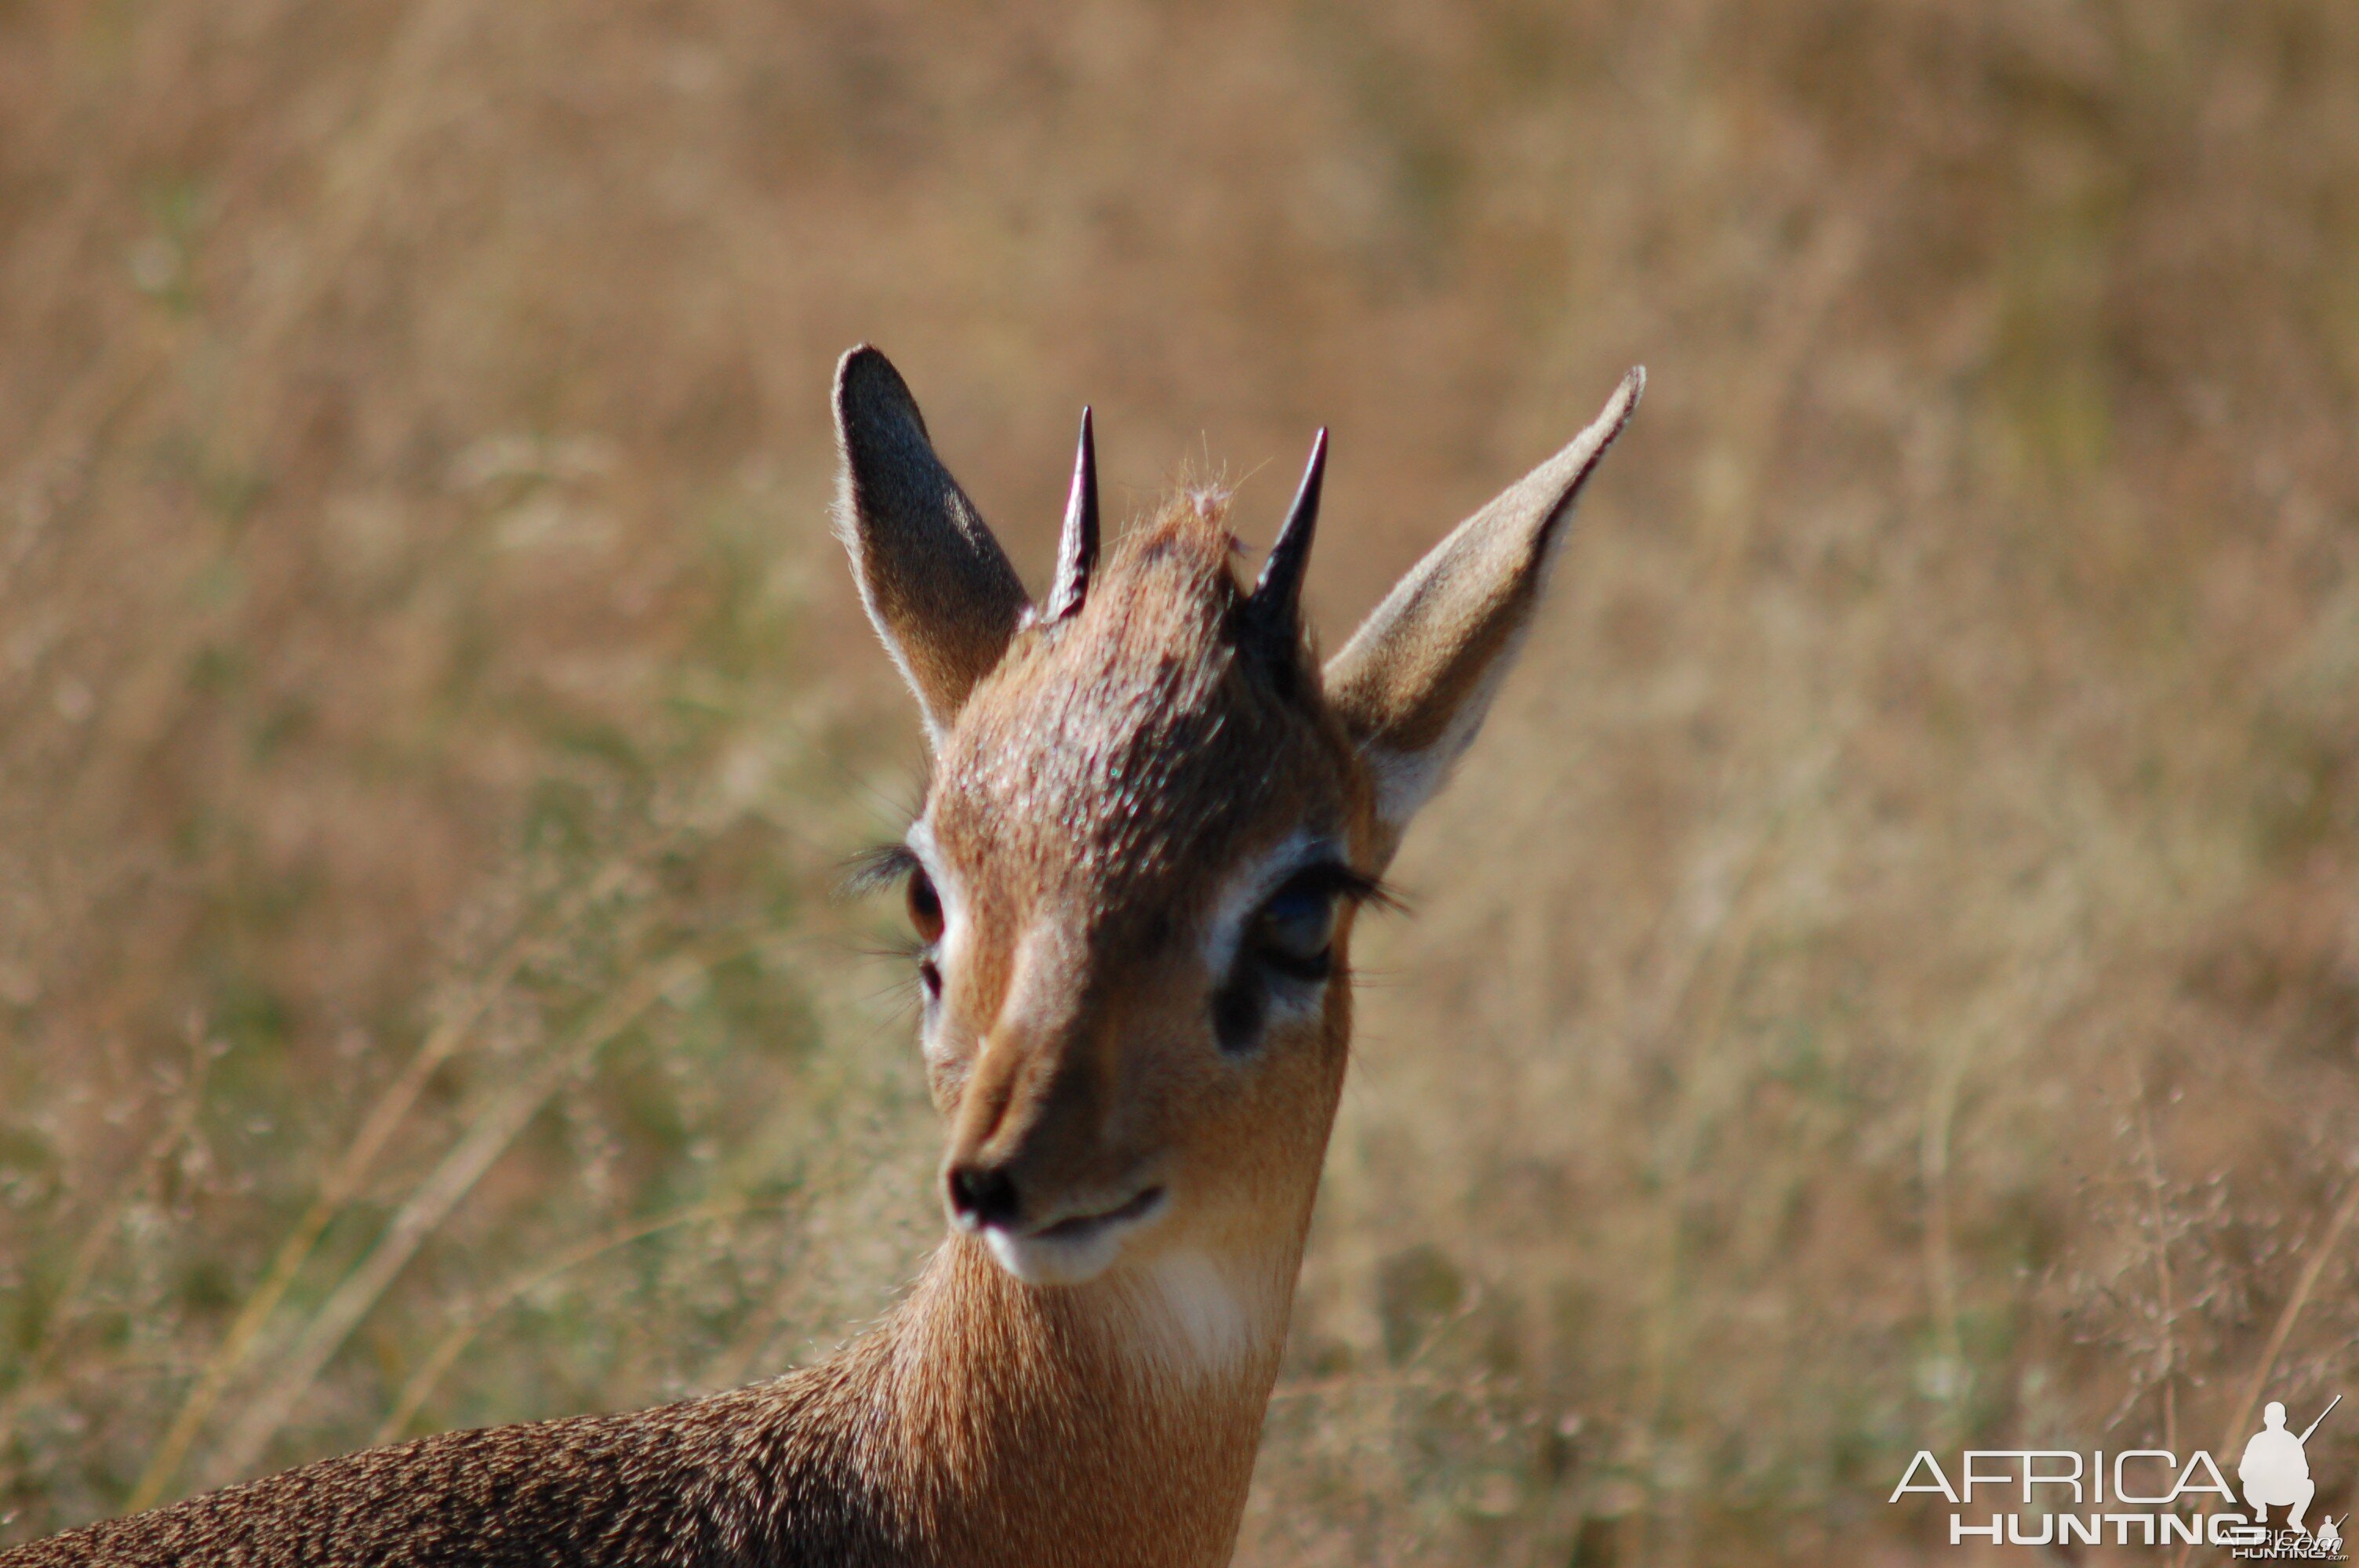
[{"x": 946, "y": 949}]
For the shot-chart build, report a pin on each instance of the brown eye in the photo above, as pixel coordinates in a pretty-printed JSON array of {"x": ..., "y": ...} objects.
[{"x": 925, "y": 908}]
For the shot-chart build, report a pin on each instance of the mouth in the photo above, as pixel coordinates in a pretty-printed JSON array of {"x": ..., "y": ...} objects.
[
  {"x": 1078, "y": 1246},
  {"x": 1083, "y": 1225}
]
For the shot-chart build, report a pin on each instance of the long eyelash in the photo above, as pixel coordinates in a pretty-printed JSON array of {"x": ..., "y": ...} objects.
[
  {"x": 874, "y": 869},
  {"x": 1334, "y": 878},
  {"x": 909, "y": 951}
]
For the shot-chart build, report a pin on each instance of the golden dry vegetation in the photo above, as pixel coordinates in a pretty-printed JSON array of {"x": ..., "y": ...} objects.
[{"x": 1887, "y": 977}]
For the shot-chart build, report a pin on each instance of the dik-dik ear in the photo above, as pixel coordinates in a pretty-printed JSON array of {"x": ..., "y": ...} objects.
[
  {"x": 936, "y": 583},
  {"x": 1415, "y": 680}
]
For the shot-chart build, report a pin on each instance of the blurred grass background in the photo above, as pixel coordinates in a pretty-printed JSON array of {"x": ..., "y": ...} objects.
[{"x": 1887, "y": 977}]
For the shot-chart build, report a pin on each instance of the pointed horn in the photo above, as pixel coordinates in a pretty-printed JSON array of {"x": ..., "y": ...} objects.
[
  {"x": 1275, "y": 607},
  {"x": 1077, "y": 552}
]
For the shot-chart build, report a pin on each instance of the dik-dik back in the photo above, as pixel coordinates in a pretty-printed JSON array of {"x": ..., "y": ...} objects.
[{"x": 1152, "y": 819}]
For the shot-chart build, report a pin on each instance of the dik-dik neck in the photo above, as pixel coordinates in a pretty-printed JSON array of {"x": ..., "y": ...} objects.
[{"x": 1111, "y": 1422}]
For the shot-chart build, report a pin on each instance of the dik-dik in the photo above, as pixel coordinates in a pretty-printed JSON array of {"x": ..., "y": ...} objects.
[{"x": 1152, "y": 817}]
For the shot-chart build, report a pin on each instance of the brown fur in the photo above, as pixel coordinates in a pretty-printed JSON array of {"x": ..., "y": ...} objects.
[
  {"x": 1108, "y": 785},
  {"x": 925, "y": 1443},
  {"x": 1099, "y": 786}
]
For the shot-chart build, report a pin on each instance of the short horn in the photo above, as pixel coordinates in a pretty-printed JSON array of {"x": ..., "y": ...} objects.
[
  {"x": 1275, "y": 607},
  {"x": 1077, "y": 551}
]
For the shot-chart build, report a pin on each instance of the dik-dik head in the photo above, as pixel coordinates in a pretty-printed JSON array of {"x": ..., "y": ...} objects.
[{"x": 1151, "y": 818}]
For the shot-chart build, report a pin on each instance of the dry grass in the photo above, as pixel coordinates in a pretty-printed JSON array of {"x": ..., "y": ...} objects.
[{"x": 1888, "y": 977}]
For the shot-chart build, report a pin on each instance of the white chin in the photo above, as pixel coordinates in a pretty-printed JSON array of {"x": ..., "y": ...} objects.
[{"x": 1055, "y": 1261}]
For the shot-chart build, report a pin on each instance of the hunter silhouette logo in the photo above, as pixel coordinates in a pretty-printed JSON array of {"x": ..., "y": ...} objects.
[{"x": 2275, "y": 1469}]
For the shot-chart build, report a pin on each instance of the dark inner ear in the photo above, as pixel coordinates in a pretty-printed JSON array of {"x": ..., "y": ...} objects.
[{"x": 937, "y": 585}]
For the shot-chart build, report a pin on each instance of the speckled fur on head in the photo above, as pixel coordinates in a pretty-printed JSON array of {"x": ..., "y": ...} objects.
[
  {"x": 1112, "y": 758},
  {"x": 1151, "y": 816}
]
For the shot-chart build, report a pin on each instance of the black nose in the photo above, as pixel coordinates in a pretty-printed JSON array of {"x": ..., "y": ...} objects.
[{"x": 983, "y": 1195}]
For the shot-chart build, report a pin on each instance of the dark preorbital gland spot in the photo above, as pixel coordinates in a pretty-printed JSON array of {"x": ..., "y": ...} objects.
[{"x": 1238, "y": 1008}]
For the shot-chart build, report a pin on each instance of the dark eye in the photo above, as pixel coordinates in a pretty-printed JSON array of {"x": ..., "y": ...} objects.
[
  {"x": 1290, "y": 938},
  {"x": 1294, "y": 933},
  {"x": 925, "y": 908},
  {"x": 926, "y": 918}
]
